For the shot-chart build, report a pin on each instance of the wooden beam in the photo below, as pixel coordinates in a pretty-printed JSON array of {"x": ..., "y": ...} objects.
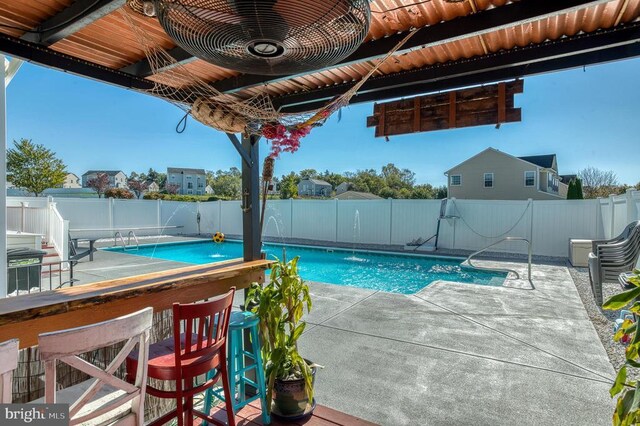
[
  {"x": 25, "y": 317},
  {"x": 452, "y": 110},
  {"x": 495, "y": 19},
  {"x": 71, "y": 20},
  {"x": 251, "y": 199},
  {"x": 502, "y": 108},
  {"x": 576, "y": 51}
]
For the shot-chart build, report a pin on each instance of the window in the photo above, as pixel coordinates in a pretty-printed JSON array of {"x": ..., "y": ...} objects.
[
  {"x": 529, "y": 178},
  {"x": 189, "y": 185},
  {"x": 488, "y": 180},
  {"x": 456, "y": 180}
]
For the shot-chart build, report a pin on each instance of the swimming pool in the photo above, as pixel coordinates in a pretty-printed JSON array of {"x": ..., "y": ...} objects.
[{"x": 394, "y": 273}]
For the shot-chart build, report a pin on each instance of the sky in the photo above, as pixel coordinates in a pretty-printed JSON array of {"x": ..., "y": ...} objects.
[{"x": 588, "y": 117}]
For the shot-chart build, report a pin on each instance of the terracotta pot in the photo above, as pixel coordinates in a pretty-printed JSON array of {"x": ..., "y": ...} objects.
[{"x": 290, "y": 397}]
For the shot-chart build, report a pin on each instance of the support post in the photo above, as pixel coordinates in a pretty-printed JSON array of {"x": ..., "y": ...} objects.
[
  {"x": 3, "y": 182},
  {"x": 251, "y": 230},
  {"x": 251, "y": 199}
]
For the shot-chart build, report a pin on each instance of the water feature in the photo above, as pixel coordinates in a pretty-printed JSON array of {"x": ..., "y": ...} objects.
[{"x": 357, "y": 238}]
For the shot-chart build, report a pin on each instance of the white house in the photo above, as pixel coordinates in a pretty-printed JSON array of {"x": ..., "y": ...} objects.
[
  {"x": 71, "y": 180},
  {"x": 208, "y": 190},
  {"x": 153, "y": 187},
  {"x": 188, "y": 181},
  {"x": 117, "y": 178},
  {"x": 314, "y": 188},
  {"x": 495, "y": 175}
]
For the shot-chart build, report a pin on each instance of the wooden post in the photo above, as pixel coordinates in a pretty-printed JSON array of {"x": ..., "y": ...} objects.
[{"x": 251, "y": 199}]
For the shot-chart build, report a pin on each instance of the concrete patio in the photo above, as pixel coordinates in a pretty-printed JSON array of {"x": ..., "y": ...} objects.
[
  {"x": 449, "y": 353},
  {"x": 455, "y": 352}
]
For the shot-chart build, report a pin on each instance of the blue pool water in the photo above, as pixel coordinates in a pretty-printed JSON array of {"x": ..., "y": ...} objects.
[{"x": 377, "y": 271}]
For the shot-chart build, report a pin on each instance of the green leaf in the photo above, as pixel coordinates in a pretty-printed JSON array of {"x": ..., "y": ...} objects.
[
  {"x": 621, "y": 300},
  {"x": 618, "y": 385}
]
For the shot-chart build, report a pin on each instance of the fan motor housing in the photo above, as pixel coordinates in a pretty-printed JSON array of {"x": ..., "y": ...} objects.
[{"x": 268, "y": 37}]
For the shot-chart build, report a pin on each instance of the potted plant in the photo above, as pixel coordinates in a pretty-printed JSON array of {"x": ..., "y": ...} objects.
[{"x": 280, "y": 304}]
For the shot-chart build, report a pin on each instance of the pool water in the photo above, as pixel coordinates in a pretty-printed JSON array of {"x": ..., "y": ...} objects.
[{"x": 371, "y": 270}]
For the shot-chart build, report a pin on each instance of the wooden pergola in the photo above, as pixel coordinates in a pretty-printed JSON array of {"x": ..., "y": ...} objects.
[{"x": 458, "y": 44}]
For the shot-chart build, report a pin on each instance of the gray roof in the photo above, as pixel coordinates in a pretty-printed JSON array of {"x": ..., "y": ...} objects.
[
  {"x": 181, "y": 170},
  {"x": 318, "y": 182},
  {"x": 544, "y": 161},
  {"x": 108, "y": 172},
  {"x": 567, "y": 178}
]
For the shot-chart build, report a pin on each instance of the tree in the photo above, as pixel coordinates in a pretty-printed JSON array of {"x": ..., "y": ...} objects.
[
  {"x": 574, "y": 192},
  {"x": 226, "y": 183},
  {"x": 334, "y": 179},
  {"x": 138, "y": 186},
  {"x": 100, "y": 183},
  {"x": 441, "y": 192},
  {"x": 289, "y": 186},
  {"x": 396, "y": 178},
  {"x": 118, "y": 193},
  {"x": 171, "y": 188},
  {"x": 33, "y": 167},
  {"x": 423, "y": 192},
  {"x": 597, "y": 183},
  {"x": 308, "y": 174}
]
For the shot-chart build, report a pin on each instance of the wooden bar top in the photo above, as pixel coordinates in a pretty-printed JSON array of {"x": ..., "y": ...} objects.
[{"x": 27, "y": 315}]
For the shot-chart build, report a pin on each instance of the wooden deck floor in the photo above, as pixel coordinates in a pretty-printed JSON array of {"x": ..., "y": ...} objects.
[{"x": 322, "y": 416}]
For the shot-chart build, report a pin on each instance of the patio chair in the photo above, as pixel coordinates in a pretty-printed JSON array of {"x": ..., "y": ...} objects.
[
  {"x": 611, "y": 257},
  {"x": 8, "y": 363},
  {"x": 107, "y": 399},
  {"x": 197, "y": 347}
]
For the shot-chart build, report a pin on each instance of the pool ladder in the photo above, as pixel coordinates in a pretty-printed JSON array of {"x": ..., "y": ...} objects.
[
  {"x": 130, "y": 235},
  {"x": 468, "y": 263}
]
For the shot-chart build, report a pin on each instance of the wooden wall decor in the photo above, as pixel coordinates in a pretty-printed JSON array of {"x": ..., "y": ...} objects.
[{"x": 477, "y": 106}]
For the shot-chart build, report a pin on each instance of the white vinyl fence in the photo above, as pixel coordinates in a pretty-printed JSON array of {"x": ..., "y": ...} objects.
[{"x": 469, "y": 225}]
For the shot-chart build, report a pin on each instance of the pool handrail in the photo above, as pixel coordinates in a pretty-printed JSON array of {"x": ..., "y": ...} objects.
[{"x": 468, "y": 260}]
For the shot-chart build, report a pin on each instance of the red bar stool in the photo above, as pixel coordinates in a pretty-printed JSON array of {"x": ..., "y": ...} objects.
[{"x": 206, "y": 327}]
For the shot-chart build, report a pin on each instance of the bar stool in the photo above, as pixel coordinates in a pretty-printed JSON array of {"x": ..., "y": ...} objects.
[{"x": 238, "y": 379}]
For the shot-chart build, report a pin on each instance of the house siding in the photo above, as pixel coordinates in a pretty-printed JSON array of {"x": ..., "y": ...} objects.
[
  {"x": 189, "y": 181},
  {"x": 508, "y": 179}
]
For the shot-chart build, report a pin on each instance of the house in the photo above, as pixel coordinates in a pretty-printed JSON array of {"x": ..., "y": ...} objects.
[
  {"x": 314, "y": 188},
  {"x": 153, "y": 187},
  {"x": 343, "y": 187},
  {"x": 495, "y": 175},
  {"x": 355, "y": 195},
  {"x": 71, "y": 180},
  {"x": 117, "y": 178},
  {"x": 208, "y": 190},
  {"x": 188, "y": 181}
]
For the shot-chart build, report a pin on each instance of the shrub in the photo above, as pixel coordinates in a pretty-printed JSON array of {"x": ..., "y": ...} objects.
[
  {"x": 178, "y": 197},
  {"x": 118, "y": 193}
]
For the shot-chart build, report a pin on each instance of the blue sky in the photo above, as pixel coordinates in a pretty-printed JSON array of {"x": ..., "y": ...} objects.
[{"x": 588, "y": 118}]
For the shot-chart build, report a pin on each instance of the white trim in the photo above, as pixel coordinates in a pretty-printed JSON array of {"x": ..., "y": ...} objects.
[
  {"x": 534, "y": 178},
  {"x": 451, "y": 180},
  {"x": 484, "y": 180}
]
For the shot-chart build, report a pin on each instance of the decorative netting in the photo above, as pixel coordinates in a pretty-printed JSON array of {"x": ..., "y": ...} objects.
[{"x": 232, "y": 113}]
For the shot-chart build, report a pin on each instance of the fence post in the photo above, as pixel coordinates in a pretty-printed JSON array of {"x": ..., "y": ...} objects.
[
  {"x": 291, "y": 215},
  {"x": 531, "y": 224},
  {"x": 65, "y": 240},
  {"x": 390, "y": 220},
  {"x": 631, "y": 206},
  {"x": 159, "y": 214},
  {"x": 612, "y": 226},
  {"x": 219, "y": 216},
  {"x": 110, "y": 203},
  {"x": 23, "y": 213},
  {"x": 336, "y": 238}
]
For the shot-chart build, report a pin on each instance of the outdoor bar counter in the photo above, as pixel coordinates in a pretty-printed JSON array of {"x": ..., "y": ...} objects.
[{"x": 26, "y": 316}]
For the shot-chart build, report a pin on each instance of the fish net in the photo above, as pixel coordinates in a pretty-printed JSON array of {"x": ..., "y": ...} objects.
[{"x": 232, "y": 112}]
